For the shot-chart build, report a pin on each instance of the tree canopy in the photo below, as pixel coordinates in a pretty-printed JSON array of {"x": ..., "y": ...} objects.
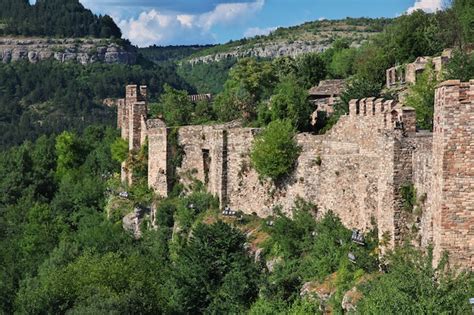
[{"x": 59, "y": 18}]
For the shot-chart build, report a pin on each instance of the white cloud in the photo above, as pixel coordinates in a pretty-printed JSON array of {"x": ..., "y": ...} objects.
[
  {"x": 228, "y": 13},
  {"x": 254, "y": 31},
  {"x": 426, "y": 5},
  {"x": 155, "y": 27}
]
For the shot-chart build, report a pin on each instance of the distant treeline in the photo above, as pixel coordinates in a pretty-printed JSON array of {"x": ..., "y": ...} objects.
[
  {"x": 49, "y": 97},
  {"x": 59, "y": 18}
]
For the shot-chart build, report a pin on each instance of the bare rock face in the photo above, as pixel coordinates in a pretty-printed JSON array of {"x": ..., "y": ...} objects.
[
  {"x": 267, "y": 50},
  {"x": 350, "y": 299},
  {"x": 83, "y": 51}
]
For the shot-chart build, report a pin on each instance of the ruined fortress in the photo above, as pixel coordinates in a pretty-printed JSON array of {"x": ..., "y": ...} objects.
[{"x": 357, "y": 169}]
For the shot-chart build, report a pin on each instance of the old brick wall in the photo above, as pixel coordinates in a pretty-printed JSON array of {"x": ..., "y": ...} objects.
[
  {"x": 453, "y": 172},
  {"x": 355, "y": 170},
  {"x": 422, "y": 180}
]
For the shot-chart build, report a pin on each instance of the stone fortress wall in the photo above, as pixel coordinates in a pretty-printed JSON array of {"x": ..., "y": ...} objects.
[{"x": 356, "y": 169}]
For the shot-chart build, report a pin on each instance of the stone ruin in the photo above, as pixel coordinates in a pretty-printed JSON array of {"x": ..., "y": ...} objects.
[
  {"x": 356, "y": 170},
  {"x": 402, "y": 75},
  {"x": 324, "y": 96}
]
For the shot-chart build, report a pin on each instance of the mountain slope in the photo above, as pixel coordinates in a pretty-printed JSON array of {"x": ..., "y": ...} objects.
[
  {"x": 60, "y": 18},
  {"x": 292, "y": 41}
]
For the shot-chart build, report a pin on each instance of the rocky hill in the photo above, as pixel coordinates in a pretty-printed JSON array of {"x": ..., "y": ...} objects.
[
  {"x": 83, "y": 51},
  {"x": 314, "y": 36}
]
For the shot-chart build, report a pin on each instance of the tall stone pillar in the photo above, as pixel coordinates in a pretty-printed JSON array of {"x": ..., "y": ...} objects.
[{"x": 453, "y": 173}]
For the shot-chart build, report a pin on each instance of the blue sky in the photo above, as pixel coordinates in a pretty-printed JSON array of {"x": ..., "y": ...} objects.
[{"x": 175, "y": 22}]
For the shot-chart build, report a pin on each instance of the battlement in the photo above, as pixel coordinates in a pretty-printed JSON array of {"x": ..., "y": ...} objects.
[
  {"x": 357, "y": 169},
  {"x": 385, "y": 114},
  {"x": 134, "y": 92},
  {"x": 451, "y": 92}
]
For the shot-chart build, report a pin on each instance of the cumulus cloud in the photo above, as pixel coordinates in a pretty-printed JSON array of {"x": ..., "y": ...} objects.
[
  {"x": 167, "y": 28},
  {"x": 228, "y": 13},
  {"x": 254, "y": 31},
  {"x": 426, "y": 5}
]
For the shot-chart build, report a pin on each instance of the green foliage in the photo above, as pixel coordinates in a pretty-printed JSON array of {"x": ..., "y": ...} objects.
[
  {"x": 207, "y": 77},
  {"x": 50, "y": 97},
  {"x": 464, "y": 15},
  {"x": 176, "y": 106},
  {"x": 275, "y": 151},
  {"x": 290, "y": 101},
  {"x": 460, "y": 67},
  {"x": 191, "y": 206},
  {"x": 350, "y": 28},
  {"x": 160, "y": 54},
  {"x": 137, "y": 162},
  {"x": 359, "y": 88},
  {"x": 119, "y": 150},
  {"x": 213, "y": 273},
  {"x": 421, "y": 97},
  {"x": 342, "y": 63},
  {"x": 249, "y": 82},
  {"x": 55, "y": 18},
  {"x": 68, "y": 151},
  {"x": 311, "y": 69},
  {"x": 408, "y": 194},
  {"x": 413, "y": 286},
  {"x": 413, "y": 35}
]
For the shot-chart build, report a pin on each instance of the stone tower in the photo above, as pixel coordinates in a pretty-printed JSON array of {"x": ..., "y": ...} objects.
[
  {"x": 131, "y": 111},
  {"x": 453, "y": 172}
]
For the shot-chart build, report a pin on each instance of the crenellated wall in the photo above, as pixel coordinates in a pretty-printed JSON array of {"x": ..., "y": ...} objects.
[{"x": 356, "y": 170}]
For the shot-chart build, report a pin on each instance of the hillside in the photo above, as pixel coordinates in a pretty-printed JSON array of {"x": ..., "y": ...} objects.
[
  {"x": 171, "y": 53},
  {"x": 314, "y": 36},
  {"x": 81, "y": 50},
  {"x": 60, "y": 18}
]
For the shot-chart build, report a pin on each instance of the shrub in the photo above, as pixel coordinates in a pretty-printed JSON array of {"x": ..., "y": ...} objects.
[
  {"x": 119, "y": 150},
  {"x": 408, "y": 192},
  {"x": 275, "y": 151},
  {"x": 412, "y": 285}
]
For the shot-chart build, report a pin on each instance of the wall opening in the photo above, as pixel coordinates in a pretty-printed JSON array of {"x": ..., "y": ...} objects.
[{"x": 206, "y": 160}]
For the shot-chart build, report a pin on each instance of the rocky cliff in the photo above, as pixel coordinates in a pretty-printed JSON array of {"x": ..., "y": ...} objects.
[
  {"x": 84, "y": 51},
  {"x": 270, "y": 50}
]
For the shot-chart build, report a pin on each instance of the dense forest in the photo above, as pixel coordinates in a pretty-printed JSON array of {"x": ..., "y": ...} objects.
[
  {"x": 50, "y": 97},
  {"x": 54, "y": 18},
  {"x": 63, "y": 249}
]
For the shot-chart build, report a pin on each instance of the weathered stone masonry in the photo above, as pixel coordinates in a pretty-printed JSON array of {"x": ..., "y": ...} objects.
[{"x": 355, "y": 170}]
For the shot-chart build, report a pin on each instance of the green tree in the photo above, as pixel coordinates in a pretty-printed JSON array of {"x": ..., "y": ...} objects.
[
  {"x": 290, "y": 101},
  {"x": 342, "y": 63},
  {"x": 213, "y": 273},
  {"x": 460, "y": 67},
  {"x": 311, "y": 69},
  {"x": 464, "y": 11},
  {"x": 69, "y": 153},
  {"x": 413, "y": 286},
  {"x": 421, "y": 97},
  {"x": 176, "y": 106},
  {"x": 250, "y": 82},
  {"x": 119, "y": 150},
  {"x": 275, "y": 151}
]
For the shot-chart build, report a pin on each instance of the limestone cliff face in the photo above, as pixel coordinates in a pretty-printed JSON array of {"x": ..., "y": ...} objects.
[
  {"x": 267, "y": 50},
  {"x": 83, "y": 51}
]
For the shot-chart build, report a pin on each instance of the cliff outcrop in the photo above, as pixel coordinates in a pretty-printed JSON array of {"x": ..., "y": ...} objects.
[
  {"x": 268, "y": 50},
  {"x": 83, "y": 51}
]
